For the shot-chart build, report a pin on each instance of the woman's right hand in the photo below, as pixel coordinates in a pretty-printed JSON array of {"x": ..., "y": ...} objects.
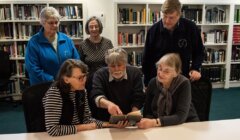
[{"x": 83, "y": 127}]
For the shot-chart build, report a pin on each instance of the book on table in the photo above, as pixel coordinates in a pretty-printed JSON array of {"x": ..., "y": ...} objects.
[{"x": 132, "y": 119}]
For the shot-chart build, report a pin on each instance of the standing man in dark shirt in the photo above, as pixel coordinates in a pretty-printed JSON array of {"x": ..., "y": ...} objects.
[
  {"x": 173, "y": 34},
  {"x": 117, "y": 89}
]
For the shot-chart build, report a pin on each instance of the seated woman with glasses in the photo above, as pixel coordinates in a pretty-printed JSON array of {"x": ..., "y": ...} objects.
[
  {"x": 66, "y": 105},
  {"x": 168, "y": 100},
  {"x": 48, "y": 49}
]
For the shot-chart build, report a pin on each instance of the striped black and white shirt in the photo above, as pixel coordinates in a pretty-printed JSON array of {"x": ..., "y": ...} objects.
[{"x": 52, "y": 103}]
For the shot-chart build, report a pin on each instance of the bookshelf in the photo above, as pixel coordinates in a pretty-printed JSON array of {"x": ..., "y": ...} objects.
[
  {"x": 19, "y": 20},
  {"x": 235, "y": 52},
  {"x": 216, "y": 22}
]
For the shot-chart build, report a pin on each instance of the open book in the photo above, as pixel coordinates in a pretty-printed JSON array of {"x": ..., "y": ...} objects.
[{"x": 132, "y": 118}]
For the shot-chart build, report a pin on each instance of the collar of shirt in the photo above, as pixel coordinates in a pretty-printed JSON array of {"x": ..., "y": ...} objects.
[{"x": 113, "y": 79}]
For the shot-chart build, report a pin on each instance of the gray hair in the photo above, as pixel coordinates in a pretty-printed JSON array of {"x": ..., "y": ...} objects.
[
  {"x": 115, "y": 56},
  {"x": 172, "y": 60},
  {"x": 48, "y": 12}
]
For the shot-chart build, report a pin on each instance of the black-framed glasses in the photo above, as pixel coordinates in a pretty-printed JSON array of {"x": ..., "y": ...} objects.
[{"x": 81, "y": 77}]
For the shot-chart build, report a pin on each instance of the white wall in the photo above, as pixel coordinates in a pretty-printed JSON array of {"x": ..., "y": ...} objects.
[{"x": 105, "y": 7}]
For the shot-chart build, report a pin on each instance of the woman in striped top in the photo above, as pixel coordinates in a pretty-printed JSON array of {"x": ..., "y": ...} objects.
[{"x": 66, "y": 105}]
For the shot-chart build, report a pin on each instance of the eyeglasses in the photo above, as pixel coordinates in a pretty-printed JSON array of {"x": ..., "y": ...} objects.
[
  {"x": 81, "y": 77},
  {"x": 165, "y": 71},
  {"x": 52, "y": 22}
]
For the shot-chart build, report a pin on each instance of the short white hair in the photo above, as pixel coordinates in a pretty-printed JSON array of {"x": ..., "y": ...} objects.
[{"x": 49, "y": 12}]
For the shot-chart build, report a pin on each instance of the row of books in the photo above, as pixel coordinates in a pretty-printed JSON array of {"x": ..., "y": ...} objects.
[
  {"x": 5, "y": 13},
  {"x": 32, "y": 11},
  {"x": 131, "y": 16},
  {"x": 215, "y": 14},
  {"x": 215, "y": 74},
  {"x": 214, "y": 56},
  {"x": 235, "y": 53},
  {"x": 72, "y": 29},
  {"x": 10, "y": 89},
  {"x": 131, "y": 39},
  {"x": 193, "y": 14},
  {"x": 27, "y": 11},
  {"x": 235, "y": 72},
  {"x": 215, "y": 36},
  {"x": 14, "y": 50},
  {"x": 236, "y": 34},
  {"x": 6, "y": 31},
  {"x": 70, "y": 11},
  {"x": 18, "y": 69},
  {"x": 25, "y": 31},
  {"x": 135, "y": 58},
  {"x": 237, "y": 16},
  {"x": 154, "y": 16}
]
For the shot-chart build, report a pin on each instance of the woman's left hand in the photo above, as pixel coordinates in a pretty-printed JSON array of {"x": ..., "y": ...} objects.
[{"x": 146, "y": 123}]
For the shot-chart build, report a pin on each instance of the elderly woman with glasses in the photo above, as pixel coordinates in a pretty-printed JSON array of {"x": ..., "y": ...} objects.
[
  {"x": 118, "y": 88},
  {"x": 48, "y": 49},
  {"x": 168, "y": 100},
  {"x": 66, "y": 105}
]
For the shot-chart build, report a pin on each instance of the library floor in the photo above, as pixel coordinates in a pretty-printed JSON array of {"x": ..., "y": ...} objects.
[{"x": 225, "y": 105}]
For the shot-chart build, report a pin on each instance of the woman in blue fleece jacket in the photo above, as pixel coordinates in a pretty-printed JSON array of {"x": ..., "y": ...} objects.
[{"x": 48, "y": 49}]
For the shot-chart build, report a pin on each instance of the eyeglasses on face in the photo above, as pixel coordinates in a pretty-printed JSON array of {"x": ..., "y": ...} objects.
[
  {"x": 81, "y": 77},
  {"x": 52, "y": 22},
  {"x": 165, "y": 71}
]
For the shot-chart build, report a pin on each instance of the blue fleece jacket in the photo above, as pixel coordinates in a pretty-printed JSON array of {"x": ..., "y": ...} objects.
[{"x": 43, "y": 61}]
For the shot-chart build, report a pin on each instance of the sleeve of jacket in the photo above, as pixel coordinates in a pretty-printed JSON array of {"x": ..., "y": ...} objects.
[
  {"x": 32, "y": 63},
  {"x": 197, "y": 50},
  {"x": 81, "y": 52},
  {"x": 139, "y": 95},
  {"x": 98, "y": 85},
  {"x": 110, "y": 44},
  {"x": 147, "y": 59},
  {"x": 147, "y": 109},
  {"x": 75, "y": 54},
  {"x": 182, "y": 106}
]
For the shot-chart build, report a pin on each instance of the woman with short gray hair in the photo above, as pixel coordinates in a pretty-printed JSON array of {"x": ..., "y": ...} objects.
[
  {"x": 47, "y": 13},
  {"x": 168, "y": 100},
  {"x": 48, "y": 49}
]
